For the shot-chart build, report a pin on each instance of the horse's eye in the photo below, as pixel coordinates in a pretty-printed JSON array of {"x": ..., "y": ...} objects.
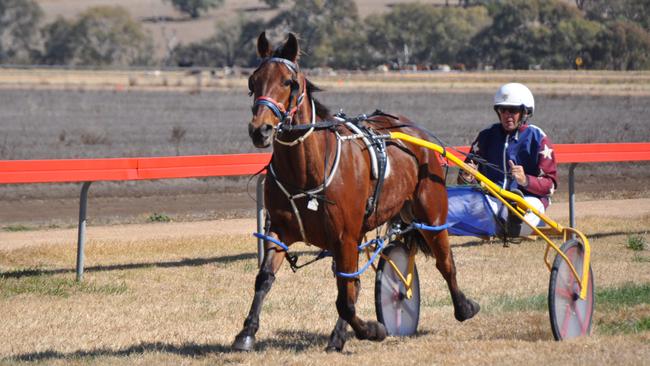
[{"x": 293, "y": 84}]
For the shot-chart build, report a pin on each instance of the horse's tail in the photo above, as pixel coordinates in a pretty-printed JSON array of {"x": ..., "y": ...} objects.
[{"x": 414, "y": 237}]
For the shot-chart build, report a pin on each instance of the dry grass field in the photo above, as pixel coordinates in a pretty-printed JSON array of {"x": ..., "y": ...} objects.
[{"x": 177, "y": 293}]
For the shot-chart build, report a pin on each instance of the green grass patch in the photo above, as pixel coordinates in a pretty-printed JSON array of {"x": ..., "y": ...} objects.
[
  {"x": 531, "y": 303},
  {"x": 630, "y": 326},
  {"x": 60, "y": 287},
  {"x": 158, "y": 217},
  {"x": 640, "y": 259},
  {"x": 629, "y": 294},
  {"x": 636, "y": 242},
  {"x": 13, "y": 228},
  {"x": 435, "y": 303}
]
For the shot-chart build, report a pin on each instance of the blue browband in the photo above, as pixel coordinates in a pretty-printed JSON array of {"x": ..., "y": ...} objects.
[{"x": 274, "y": 108}]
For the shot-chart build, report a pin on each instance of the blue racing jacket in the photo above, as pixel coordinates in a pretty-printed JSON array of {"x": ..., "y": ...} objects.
[{"x": 529, "y": 147}]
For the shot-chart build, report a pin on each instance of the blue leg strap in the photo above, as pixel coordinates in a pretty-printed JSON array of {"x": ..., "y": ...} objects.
[
  {"x": 380, "y": 247},
  {"x": 273, "y": 240},
  {"x": 430, "y": 228}
]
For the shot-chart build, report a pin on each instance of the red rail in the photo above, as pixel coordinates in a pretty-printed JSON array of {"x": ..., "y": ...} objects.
[{"x": 91, "y": 170}]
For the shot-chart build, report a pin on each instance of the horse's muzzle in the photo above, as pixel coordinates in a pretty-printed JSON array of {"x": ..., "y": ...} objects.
[{"x": 262, "y": 135}]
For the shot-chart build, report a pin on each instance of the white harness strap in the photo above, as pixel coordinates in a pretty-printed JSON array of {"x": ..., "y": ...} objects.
[
  {"x": 313, "y": 203},
  {"x": 303, "y": 137}
]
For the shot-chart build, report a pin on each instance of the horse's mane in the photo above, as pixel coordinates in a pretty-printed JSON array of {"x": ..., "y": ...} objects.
[{"x": 321, "y": 110}]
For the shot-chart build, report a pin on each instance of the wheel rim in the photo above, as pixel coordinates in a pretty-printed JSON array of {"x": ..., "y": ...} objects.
[
  {"x": 570, "y": 315},
  {"x": 399, "y": 314}
]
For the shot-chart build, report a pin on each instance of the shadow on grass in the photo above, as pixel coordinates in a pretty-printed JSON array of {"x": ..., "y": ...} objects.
[
  {"x": 187, "y": 349},
  {"x": 288, "y": 340},
  {"x": 477, "y": 242},
  {"x": 192, "y": 262}
]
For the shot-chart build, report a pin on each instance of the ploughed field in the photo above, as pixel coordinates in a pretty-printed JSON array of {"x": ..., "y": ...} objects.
[{"x": 128, "y": 122}]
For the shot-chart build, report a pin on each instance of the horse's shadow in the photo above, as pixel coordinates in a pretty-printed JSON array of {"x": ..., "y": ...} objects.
[
  {"x": 187, "y": 262},
  {"x": 286, "y": 340},
  {"x": 186, "y": 349}
]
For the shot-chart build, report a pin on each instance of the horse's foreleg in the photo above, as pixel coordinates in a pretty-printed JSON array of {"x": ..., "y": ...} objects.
[
  {"x": 338, "y": 336},
  {"x": 245, "y": 340},
  {"x": 464, "y": 308},
  {"x": 348, "y": 289}
]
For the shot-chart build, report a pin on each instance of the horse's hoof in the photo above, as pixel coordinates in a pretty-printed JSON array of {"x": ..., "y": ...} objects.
[
  {"x": 376, "y": 331},
  {"x": 336, "y": 342},
  {"x": 468, "y": 310},
  {"x": 333, "y": 348},
  {"x": 244, "y": 343}
]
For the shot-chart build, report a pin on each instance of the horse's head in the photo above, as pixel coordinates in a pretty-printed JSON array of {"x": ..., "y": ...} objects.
[{"x": 278, "y": 88}]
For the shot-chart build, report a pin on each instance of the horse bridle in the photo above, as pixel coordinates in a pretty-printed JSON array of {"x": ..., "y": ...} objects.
[{"x": 286, "y": 114}]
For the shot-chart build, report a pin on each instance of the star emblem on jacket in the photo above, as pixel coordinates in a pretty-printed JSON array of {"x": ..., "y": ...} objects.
[{"x": 546, "y": 152}]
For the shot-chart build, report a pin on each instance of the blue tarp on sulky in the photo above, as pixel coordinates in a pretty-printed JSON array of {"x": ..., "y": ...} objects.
[{"x": 469, "y": 212}]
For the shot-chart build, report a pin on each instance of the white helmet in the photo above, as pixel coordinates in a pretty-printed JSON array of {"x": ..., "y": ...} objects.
[{"x": 516, "y": 95}]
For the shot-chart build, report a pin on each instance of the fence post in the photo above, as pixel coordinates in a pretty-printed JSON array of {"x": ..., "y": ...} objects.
[
  {"x": 260, "y": 218},
  {"x": 81, "y": 235},
  {"x": 572, "y": 195}
]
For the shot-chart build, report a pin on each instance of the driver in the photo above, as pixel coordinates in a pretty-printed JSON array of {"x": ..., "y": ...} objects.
[{"x": 516, "y": 156}]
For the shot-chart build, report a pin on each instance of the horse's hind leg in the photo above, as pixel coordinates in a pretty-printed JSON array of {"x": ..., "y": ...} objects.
[
  {"x": 245, "y": 340},
  {"x": 464, "y": 308}
]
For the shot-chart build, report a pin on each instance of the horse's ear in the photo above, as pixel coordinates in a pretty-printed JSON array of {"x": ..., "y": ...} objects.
[
  {"x": 290, "y": 49},
  {"x": 263, "y": 47}
]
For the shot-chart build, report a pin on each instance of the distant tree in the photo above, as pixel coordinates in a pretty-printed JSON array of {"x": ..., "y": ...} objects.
[
  {"x": 637, "y": 11},
  {"x": 58, "y": 47},
  {"x": 423, "y": 34},
  {"x": 194, "y": 8},
  {"x": 274, "y": 4},
  {"x": 623, "y": 46},
  {"x": 18, "y": 30},
  {"x": 231, "y": 44},
  {"x": 101, "y": 36},
  {"x": 317, "y": 23}
]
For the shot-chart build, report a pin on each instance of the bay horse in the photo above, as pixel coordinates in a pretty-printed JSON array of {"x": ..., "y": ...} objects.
[{"x": 318, "y": 185}]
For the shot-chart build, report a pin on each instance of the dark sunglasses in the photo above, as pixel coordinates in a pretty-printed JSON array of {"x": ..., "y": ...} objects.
[{"x": 509, "y": 109}]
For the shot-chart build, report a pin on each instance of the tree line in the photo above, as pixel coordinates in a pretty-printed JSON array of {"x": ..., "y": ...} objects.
[{"x": 473, "y": 34}]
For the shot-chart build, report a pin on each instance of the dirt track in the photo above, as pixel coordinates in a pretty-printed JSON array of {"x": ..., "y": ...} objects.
[{"x": 14, "y": 240}]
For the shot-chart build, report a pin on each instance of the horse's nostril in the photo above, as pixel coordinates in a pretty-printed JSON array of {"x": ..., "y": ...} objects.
[{"x": 266, "y": 130}]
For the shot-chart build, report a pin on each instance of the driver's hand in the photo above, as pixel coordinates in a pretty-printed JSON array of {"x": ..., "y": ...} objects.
[
  {"x": 517, "y": 172},
  {"x": 465, "y": 177}
]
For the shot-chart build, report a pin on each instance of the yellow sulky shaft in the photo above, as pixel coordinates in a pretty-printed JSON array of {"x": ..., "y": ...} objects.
[{"x": 504, "y": 196}]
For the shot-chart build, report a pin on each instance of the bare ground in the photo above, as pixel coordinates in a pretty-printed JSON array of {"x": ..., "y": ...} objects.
[{"x": 620, "y": 209}]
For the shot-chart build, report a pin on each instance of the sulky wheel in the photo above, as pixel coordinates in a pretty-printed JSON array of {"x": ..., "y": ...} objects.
[
  {"x": 570, "y": 316},
  {"x": 398, "y": 314}
]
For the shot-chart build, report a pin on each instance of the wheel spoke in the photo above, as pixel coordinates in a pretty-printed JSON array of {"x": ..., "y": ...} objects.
[
  {"x": 564, "y": 293},
  {"x": 566, "y": 321}
]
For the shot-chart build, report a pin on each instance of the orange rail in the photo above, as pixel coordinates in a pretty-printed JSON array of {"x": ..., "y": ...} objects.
[
  {"x": 594, "y": 153},
  {"x": 92, "y": 170}
]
